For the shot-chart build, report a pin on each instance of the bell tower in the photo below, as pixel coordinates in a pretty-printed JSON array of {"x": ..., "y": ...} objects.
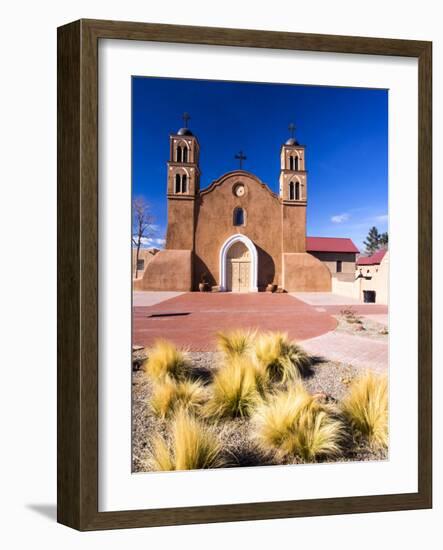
[
  {"x": 183, "y": 186},
  {"x": 293, "y": 194}
]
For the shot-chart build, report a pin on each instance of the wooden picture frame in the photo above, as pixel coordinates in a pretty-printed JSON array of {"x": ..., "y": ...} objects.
[{"x": 78, "y": 274}]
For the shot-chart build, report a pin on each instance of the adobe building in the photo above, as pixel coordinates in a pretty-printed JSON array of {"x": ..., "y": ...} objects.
[
  {"x": 236, "y": 234},
  {"x": 372, "y": 277},
  {"x": 145, "y": 255}
]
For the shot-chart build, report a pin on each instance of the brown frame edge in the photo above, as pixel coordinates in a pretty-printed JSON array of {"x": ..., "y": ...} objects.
[{"x": 77, "y": 316}]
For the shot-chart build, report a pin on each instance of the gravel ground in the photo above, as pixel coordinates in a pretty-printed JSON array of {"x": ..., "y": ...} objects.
[
  {"x": 327, "y": 377},
  {"x": 361, "y": 326}
]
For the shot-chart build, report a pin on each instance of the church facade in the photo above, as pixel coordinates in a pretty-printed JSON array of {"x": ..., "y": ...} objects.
[{"x": 238, "y": 235}]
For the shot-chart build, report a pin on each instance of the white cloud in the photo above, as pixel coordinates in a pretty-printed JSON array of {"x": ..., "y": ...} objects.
[
  {"x": 340, "y": 218},
  {"x": 147, "y": 242},
  {"x": 382, "y": 218}
]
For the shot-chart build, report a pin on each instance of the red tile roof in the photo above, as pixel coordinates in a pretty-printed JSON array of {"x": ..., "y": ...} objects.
[
  {"x": 375, "y": 259},
  {"x": 330, "y": 244}
]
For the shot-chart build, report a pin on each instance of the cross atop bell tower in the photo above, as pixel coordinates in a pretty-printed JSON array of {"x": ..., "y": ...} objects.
[
  {"x": 186, "y": 118},
  {"x": 240, "y": 156}
]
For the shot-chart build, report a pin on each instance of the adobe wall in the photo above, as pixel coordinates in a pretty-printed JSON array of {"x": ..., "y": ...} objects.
[
  {"x": 145, "y": 254},
  {"x": 302, "y": 272},
  {"x": 376, "y": 277},
  {"x": 294, "y": 227},
  {"x": 330, "y": 259},
  {"x": 214, "y": 225},
  {"x": 180, "y": 231},
  {"x": 168, "y": 270}
]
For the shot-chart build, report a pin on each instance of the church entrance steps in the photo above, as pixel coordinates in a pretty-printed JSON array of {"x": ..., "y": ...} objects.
[{"x": 208, "y": 313}]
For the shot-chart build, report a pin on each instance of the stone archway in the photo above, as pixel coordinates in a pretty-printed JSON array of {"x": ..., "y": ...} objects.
[{"x": 238, "y": 265}]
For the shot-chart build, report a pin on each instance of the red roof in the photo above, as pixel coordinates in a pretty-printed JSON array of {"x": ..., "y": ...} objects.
[
  {"x": 330, "y": 244},
  {"x": 375, "y": 259}
]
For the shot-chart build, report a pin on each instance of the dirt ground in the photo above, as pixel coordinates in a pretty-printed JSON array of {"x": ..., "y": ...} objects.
[{"x": 361, "y": 326}]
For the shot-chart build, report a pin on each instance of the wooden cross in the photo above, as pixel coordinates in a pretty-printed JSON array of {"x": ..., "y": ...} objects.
[
  {"x": 291, "y": 129},
  {"x": 240, "y": 157},
  {"x": 186, "y": 118}
]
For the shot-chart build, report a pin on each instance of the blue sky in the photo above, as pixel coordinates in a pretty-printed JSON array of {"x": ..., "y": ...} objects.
[{"x": 345, "y": 131}]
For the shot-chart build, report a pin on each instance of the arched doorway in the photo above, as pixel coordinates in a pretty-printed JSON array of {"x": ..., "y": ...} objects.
[
  {"x": 238, "y": 272},
  {"x": 238, "y": 265}
]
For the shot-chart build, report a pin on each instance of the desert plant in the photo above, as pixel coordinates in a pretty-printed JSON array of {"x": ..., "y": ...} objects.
[
  {"x": 293, "y": 423},
  {"x": 284, "y": 360},
  {"x": 236, "y": 388},
  {"x": 192, "y": 445},
  {"x": 168, "y": 395},
  {"x": 235, "y": 342},
  {"x": 164, "y": 359},
  {"x": 366, "y": 408}
]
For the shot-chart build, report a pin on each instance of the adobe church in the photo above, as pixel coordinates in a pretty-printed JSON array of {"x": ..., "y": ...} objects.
[{"x": 239, "y": 236}]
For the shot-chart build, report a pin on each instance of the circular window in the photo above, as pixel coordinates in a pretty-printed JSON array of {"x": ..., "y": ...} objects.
[{"x": 239, "y": 190}]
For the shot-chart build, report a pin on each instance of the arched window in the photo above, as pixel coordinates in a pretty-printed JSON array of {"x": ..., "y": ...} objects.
[
  {"x": 292, "y": 191},
  {"x": 179, "y": 154},
  {"x": 295, "y": 163},
  {"x": 291, "y": 163},
  {"x": 297, "y": 191},
  {"x": 185, "y": 154},
  {"x": 177, "y": 183},
  {"x": 239, "y": 216},
  {"x": 184, "y": 184}
]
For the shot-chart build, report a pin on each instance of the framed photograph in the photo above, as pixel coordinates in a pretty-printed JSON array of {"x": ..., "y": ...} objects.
[{"x": 244, "y": 275}]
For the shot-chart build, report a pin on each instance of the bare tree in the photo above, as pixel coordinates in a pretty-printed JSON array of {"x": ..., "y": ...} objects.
[{"x": 142, "y": 226}]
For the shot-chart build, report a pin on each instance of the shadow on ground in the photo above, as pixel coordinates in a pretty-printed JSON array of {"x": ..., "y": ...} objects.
[{"x": 48, "y": 511}]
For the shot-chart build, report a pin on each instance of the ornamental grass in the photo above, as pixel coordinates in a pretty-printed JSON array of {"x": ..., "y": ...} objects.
[
  {"x": 236, "y": 342},
  {"x": 169, "y": 395},
  {"x": 236, "y": 389},
  {"x": 164, "y": 359},
  {"x": 294, "y": 424},
  {"x": 191, "y": 445},
  {"x": 366, "y": 408},
  {"x": 284, "y": 360}
]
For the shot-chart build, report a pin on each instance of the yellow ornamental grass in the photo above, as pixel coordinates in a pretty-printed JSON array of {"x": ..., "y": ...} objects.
[
  {"x": 192, "y": 446},
  {"x": 169, "y": 395},
  {"x": 235, "y": 342},
  {"x": 366, "y": 408},
  {"x": 236, "y": 389},
  {"x": 164, "y": 359},
  {"x": 284, "y": 360},
  {"x": 293, "y": 423}
]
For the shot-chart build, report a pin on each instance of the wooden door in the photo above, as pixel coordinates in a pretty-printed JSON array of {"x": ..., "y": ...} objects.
[{"x": 238, "y": 268}]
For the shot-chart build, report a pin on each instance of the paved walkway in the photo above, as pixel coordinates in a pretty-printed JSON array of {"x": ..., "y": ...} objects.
[
  {"x": 148, "y": 298},
  {"x": 191, "y": 320},
  {"x": 381, "y": 318},
  {"x": 324, "y": 299},
  {"x": 334, "y": 303},
  {"x": 361, "y": 352}
]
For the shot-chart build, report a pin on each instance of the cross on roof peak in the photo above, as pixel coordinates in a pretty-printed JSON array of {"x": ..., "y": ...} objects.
[
  {"x": 240, "y": 156},
  {"x": 291, "y": 129},
  {"x": 186, "y": 118}
]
